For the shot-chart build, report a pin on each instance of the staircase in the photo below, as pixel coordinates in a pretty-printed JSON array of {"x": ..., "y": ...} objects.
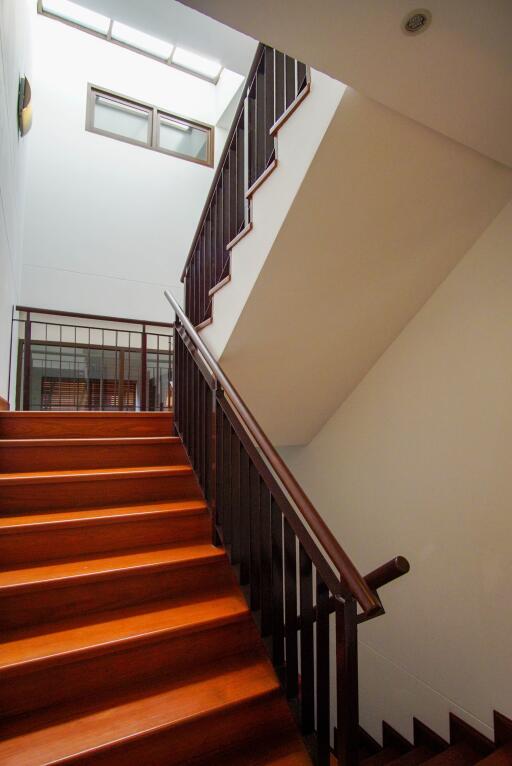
[{"x": 125, "y": 638}]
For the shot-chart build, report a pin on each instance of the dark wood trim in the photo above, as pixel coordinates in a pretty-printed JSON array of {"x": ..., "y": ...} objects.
[
  {"x": 219, "y": 285},
  {"x": 460, "y": 731},
  {"x": 239, "y": 236},
  {"x": 4, "y": 405},
  {"x": 349, "y": 575},
  {"x": 204, "y": 323},
  {"x": 222, "y": 160},
  {"x": 77, "y": 314},
  {"x": 262, "y": 178},
  {"x": 286, "y": 115},
  {"x": 392, "y": 738},
  {"x": 423, "y": 735},
  {"x": 502, "y": 729}
]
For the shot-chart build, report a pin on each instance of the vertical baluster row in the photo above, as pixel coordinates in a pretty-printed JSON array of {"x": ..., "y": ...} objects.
[
  {"x": 277, "y": 586},
  {"x": 289, "y": 81},
  {"x": 240, "y": 188},
  {"x": 260, "y": 132},
  {"x": 279, "y": 85},
  {"x": 232, "y": 191},
  {"x": 225, "y": 221},
  {"x": 346, "y": 682},
  {"x": 235, "y": 498},
  {"x": 245, "y": 518},
  {"x": 265, "y": 560},
  {"x": 254, "y": 495},
  {"x": 219, "y": 461}
]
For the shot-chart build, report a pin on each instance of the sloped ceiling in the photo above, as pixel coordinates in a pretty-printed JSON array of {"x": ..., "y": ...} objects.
[{"x": 456, "y": 77}]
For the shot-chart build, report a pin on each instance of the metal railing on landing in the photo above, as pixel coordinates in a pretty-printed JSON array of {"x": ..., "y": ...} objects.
[
  {"x": 276, "y": 84},
  {"x": 71, "y": 361},
  {"x": 296, "y": 572}
]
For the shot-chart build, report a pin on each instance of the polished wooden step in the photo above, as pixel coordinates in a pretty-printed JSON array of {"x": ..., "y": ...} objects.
[
  {"x": 19, "y": 455},
  {"x": 159, "y": 722},
  {"x": 34, "y": 537},
  {"x": 85, "y": 656},
  {"x": 49, "y": 490},
  {"x": 34, "y": 594},
  {"x": 78, "y": 425}
]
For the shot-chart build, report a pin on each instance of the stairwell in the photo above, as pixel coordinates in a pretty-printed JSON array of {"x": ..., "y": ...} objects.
[{"x": 125, "y": 637}]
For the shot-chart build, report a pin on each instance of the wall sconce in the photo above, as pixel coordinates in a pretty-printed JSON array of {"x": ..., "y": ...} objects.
[{"x": 24, "y": 106}]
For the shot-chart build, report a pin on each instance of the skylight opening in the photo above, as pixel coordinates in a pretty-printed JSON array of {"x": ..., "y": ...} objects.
[
  {"x": 140, "y": 40},
  {"x": 137, "y": 41},
  {"x": 200, "y": 65},
  {"x": 77, "y": 14}
]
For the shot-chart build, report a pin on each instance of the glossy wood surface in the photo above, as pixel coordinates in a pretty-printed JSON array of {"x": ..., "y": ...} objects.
[{"x": 124, "y": 637}]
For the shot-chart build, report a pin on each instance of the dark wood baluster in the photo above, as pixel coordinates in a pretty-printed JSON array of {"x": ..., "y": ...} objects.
[
  {"x": 289, "y": 81},
  {"x": 301, "y": 76},
  {"x": 226, "y": 488},
  {"x": 260, "y": 143},
  {"x": 207, "y": 263},
  {"x": 254, "y": 491},
  {"x": 290, "y": 609},
  {"x": 279, "y": 85},
  {"x": 240, "y": 184},
  {"x": 322, "y": 673},
  {"x": 232, "y": 190},
  {"x": 221, "y": 253},
  {"x": 195, "y": 421},
  {"x": 268, "y": 58},
  {"x": 307, "y": 670},
  {"x": 277, "y": 586},
  {"x": 225, "y": 210},
  {"x": 203, "y": 418},
  {"x": 245, "y": 519},
  {"x": 213, "y": 240},
  {"x": 266, "y": 560},
  {"x": 250, "y": 133},
  {"x": 235, "y": 498},
  {"x": 347, "y": 693},
  {"x": 219, "y": 473},
  {"x": 202, "y": 274}
]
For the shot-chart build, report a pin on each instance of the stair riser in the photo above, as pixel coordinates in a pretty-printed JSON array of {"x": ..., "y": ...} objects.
[
  {"x": 95, "y": 493},
  {"x": 81, "y": 596},
  {"x": 68, "y": 541},
  {"x": 91, "y": 675},
  {"x": 83, "y": 425},
  {"x": 14, "y": 459},
  {"x": 262, "y": 717}
]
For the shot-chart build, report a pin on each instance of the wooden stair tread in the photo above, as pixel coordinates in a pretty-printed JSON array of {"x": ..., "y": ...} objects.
[
  {"x": 129, "y": 472},
  {"x": 287, "y": 750},
  {"x": 78, "y": 516},
  {"x": 53, "y": 734},
  {"x": 501, "y": 757},
  {"x": 23, "y": 648},
  {"x": 414, "y": 757},
  {"x": 384, "y": 756},
  {"x": 89, "y": 441},
  {"x": 461, "y": 754},
  {"x": 130, "y": 561}
]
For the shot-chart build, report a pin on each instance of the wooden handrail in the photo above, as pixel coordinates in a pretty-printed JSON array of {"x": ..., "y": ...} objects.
[
  {"x": 99, "y": 317},
  {"x": 355, "y": 583},
  {"x": 222, "y": 160}
]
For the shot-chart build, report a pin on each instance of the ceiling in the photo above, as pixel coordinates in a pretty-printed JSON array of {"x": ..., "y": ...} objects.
[
  {"x": 180, "y": 25},
  {"x": 455, "y": 77}
]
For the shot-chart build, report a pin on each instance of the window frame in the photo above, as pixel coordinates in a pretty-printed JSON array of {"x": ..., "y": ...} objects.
[{"x": 154, "y": 113}]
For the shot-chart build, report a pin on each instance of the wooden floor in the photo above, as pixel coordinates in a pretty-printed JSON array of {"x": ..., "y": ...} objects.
[{"x": 125, "y": 638}]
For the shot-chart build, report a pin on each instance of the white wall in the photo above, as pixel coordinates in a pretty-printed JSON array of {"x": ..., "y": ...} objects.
[
  {"x": 109, "y": 224},
  {"x": 14, "y": 61},
  {"x": 417, "y": 462}
]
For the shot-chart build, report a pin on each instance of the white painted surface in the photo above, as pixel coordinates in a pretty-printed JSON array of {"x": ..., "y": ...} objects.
[
  {"x": 170, "y": 20},
  {"x": 417, "y": 462},
  {"x": 298, "y": 142},
  {"x": 109, "y": 224},
  {"x": 14, "y": 61},
  {"x": 345, "y": 250},
  {"x": 456, "y": 77}
]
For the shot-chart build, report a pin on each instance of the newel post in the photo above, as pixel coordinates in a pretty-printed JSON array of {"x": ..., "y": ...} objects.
[{"x": 347, "y": 683}]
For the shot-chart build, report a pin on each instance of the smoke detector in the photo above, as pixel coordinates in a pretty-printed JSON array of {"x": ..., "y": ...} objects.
[{"x": 416, "y": 21}]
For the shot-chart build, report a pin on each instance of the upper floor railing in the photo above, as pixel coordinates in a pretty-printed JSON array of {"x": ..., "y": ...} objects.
[
  {"x": 275, "y": 86},
  {"x": 73, "y": 361},
  {"x": 295, "y": 570}
]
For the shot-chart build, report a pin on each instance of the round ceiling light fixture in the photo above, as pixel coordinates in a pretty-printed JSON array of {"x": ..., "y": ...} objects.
[{"x": 416, "y": 21}]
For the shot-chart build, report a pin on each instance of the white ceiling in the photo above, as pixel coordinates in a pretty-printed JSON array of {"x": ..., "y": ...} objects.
[
  {"x": 456, "y": 77},
  {"x": 172, "y": 21}
]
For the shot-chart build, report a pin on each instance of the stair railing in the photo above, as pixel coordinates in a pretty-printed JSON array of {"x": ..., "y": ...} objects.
[
  {"x": 275, "y": 86},
  {"x": 295, "y": 572}
]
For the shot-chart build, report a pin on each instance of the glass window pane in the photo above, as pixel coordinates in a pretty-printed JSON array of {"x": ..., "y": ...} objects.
[
  {"x": 122, "y": 119},
  {"x": 178, "y": 137}
]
